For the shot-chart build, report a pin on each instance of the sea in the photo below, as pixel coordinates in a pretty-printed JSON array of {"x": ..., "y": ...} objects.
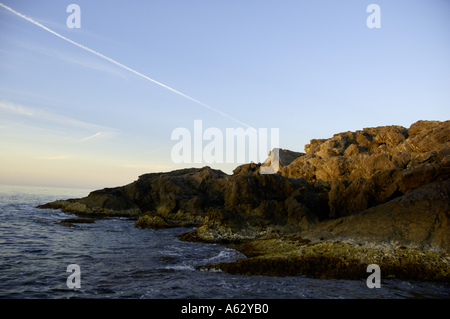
[{"x": 116, "y": 260}]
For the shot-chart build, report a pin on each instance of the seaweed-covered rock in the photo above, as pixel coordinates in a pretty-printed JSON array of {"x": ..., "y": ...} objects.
[{"x": 294, "y": 255}]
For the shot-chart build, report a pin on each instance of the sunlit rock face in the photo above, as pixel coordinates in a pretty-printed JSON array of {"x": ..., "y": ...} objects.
[{"x": 383, "y": 184}]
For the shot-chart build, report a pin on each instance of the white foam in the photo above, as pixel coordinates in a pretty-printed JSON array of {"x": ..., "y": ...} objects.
[
  {"x": 226, "y": 255},
  {"x": 180, "y": 267}
]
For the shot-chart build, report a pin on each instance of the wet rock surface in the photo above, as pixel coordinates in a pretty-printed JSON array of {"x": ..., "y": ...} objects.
[
  {"x": 294, "y": 255},
  {"x": 381, "y": 188}
]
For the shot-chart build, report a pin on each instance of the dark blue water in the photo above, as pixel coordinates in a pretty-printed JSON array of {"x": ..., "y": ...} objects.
[{"x": 118, "y": 260}]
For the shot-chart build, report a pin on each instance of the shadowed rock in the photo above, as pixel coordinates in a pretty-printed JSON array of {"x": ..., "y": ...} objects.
[{"x": 377, "y": 186}]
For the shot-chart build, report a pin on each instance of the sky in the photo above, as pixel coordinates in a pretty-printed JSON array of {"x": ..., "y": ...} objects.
[{"x": 101, "y": 113}]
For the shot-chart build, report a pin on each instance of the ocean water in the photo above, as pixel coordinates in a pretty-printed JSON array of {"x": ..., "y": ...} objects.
[{"x": 117, "y": 260}]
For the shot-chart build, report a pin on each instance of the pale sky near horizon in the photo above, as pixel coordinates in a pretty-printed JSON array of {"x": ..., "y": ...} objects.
[{"x": 69, "y": 118}]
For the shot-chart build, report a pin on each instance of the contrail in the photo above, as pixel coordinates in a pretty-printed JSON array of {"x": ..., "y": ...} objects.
[
  {"x": 123, "y": 66},
  {"x": 92, "y": 136}
]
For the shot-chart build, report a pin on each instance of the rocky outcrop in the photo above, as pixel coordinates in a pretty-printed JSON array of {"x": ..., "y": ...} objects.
[
  {"x": 178, "y": 195},
  {"x": 156, "y": 221},
  {"x": 226, "y": 208},
  {"x": 367, "y": 168},
  {"x": 277, "y": 159},
  {"x": 80, "y": 208},
  {"x": 258, "y": 205},
  {"x": 385, "y": 187},
  {"x": 418, "y": 219}
]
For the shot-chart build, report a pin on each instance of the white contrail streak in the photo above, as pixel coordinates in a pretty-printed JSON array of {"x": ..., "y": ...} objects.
[
  {"x": 123, "y": 66},
  {"x": 90, "y": 137}
]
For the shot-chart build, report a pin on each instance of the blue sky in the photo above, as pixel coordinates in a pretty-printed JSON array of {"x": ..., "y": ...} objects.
[{"x": 310, "y": 68}]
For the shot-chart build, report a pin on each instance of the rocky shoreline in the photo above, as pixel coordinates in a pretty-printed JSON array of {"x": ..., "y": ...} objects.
[
  {"x": 376, "y": 196},
  {"x": 293, "y": 255}
]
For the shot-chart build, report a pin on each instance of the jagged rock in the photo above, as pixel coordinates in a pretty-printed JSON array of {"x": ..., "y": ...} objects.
[
  {"x": 420, "y": 218},
  {"x": 152, "y": 220},
  {"x": 256, "y": 205},
  {"x": 283, "y": 157},
  {"x": 373, "y": 166},
  {"x": 182, "y": 194},
  {"x": 384, "y": 184},
  {"x": 246, "y": 169},
  {"x": 79, "y": 208}
]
